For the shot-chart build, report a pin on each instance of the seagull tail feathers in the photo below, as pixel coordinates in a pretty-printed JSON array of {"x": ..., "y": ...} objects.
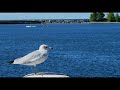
[{"x": 10, "y": 62}]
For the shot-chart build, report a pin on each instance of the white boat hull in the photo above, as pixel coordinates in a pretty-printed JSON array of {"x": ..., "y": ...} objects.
[{"x": 45, "y": 75}]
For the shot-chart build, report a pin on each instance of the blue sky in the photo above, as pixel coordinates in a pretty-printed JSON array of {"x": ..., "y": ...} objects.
[{"x": 22, "y": 16}]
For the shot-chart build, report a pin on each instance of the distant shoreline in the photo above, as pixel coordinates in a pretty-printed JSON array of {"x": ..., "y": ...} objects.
[
  {"x": 69, "y": 21},
  {"x": 104, "y": 22}
]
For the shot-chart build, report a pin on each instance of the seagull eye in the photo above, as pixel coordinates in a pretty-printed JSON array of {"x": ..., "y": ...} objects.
[{"x": 45, "y": 47}]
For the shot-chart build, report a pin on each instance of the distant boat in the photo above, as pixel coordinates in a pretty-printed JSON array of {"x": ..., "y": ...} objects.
[{"x": 30, "y": 26}]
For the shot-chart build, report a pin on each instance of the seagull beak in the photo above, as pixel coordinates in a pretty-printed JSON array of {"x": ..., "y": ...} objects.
[{"x": 50, "y": 48}]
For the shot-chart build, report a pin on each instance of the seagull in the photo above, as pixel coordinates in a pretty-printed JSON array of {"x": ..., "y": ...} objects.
[{"x": 34, "y": 58}]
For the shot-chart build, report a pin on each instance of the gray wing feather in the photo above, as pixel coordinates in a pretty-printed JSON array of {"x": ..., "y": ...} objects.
[{"x": 28, "y": 58}]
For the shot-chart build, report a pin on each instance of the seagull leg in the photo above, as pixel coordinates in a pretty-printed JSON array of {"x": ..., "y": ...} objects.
[{"x": 34, "y": 69}]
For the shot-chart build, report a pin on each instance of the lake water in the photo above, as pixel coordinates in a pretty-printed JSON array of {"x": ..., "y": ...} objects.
[{"x": 79, "y": 50}]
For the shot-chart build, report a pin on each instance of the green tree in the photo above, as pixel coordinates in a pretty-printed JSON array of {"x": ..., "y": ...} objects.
[
  {"x": 110, "y": 17},
  {"x": 117, "y": 17},
  {"x": 93, "y": 17},
  {"x": 100, "y": 16}
]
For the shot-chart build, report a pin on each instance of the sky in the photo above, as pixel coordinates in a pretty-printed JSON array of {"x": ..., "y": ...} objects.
[{"x": 24, "y": 16}]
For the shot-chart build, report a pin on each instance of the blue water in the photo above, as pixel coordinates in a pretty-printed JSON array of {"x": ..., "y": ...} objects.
[{"x": 80, "y": 50}]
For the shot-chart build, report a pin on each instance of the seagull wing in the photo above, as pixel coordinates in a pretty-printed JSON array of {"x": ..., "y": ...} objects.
[{"x": 28, "y": 58}]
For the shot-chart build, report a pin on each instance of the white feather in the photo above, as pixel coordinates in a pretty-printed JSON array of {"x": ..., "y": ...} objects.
[{"x": 33, "y": 58}]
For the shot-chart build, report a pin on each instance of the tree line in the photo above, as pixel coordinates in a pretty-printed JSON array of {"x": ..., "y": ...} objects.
[{"x": 99, "y": 16}]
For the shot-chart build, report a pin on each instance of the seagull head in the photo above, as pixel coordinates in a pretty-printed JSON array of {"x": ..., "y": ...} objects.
[{"x": 45, "y": 47}]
